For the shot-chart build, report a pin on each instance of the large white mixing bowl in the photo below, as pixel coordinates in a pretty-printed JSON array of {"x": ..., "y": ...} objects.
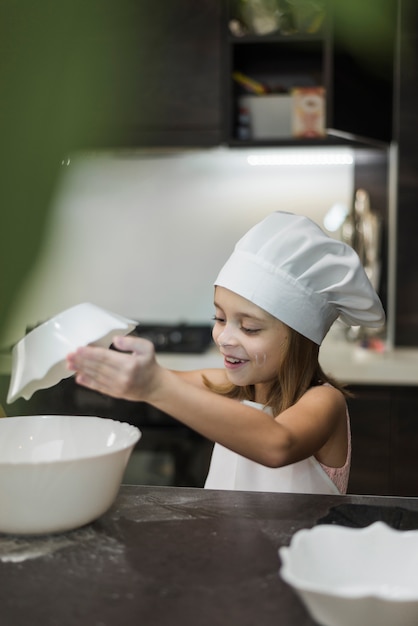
[{"x": 59, "y": 472}]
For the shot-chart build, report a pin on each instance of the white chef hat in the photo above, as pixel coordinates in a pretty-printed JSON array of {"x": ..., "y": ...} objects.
[{"x": 290, "y": 268}]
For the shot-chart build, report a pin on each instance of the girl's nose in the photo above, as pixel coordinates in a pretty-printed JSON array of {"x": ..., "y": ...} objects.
[{"x": 226, "y": 337}]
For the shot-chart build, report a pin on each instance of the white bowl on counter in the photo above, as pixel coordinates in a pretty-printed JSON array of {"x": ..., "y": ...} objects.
[
  {"x": 39, "y": 358},
  {"x": 355, "y": 576},
  {"x": 60, "y": 472}
]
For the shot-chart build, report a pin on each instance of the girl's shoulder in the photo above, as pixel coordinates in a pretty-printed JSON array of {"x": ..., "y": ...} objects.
[
  {"x": 325, "y": 391},
  {"x": 324, "y": 400}
]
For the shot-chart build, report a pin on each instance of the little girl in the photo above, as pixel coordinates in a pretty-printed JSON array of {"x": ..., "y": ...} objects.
[{"x": 279, "y": 422}]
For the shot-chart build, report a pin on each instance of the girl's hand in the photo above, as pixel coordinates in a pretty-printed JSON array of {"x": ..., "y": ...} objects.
[{"x": 131, "y": 374}]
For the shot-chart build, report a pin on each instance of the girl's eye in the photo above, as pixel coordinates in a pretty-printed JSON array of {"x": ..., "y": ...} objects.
[
  {"x": 250, "y": 331},
  {"x": 216, "y": 318}
]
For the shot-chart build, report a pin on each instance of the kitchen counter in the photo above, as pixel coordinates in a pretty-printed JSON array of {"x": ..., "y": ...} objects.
[
  {"x": 355, "y": 365},
  {"x": 163, "y": 556}
]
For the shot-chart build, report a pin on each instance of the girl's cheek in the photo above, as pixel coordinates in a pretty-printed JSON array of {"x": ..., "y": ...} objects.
[{"x": 260, "y": 359}]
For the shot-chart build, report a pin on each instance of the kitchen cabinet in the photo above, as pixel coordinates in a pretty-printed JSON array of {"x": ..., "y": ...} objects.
[
  {"x": 163, "y": 65},
  {"x": 385, "y": 440},
  {"x": 167, "y": 70},
  {"x": 404, "y": 442},
  {"x": 406, "y": 318},
  {"x": 370, "y": 413},
  {"x": 347, "y": 49}
]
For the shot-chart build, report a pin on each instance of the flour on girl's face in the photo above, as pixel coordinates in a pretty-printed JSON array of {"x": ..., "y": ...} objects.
[{"x": 260, "y": 359}]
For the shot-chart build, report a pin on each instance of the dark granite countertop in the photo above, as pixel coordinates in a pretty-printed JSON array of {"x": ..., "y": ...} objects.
[{"x": 167, "y": 556}]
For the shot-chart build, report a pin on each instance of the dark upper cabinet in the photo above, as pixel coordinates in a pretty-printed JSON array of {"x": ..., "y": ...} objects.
[
  {"x": 164, "y": 73},
  {"x": 160, "y": 67},
  {"x": 176, "y": 97}
]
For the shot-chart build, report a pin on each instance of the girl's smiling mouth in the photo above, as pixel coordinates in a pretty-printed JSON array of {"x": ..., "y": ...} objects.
[{"x": 233, "y": 363}]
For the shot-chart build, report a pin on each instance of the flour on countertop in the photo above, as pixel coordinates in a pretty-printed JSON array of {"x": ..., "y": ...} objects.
[{"x": 15, "y": 549}]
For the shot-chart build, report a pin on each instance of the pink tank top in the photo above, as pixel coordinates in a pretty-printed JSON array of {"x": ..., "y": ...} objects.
[{"x": 340, "y": 475}]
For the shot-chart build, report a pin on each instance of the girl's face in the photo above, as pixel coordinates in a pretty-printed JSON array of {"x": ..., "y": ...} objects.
[{"x": 251, "y": 340}]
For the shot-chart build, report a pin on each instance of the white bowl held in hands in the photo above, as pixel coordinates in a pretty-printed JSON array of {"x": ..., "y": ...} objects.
[
  {"x": 59, "y": 472},
  {"x": 355, "y": 576},
  {"x": 39, "y": 358}
]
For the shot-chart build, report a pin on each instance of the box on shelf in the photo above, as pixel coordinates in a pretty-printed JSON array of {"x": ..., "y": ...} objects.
[
  {"x": 308, "y": 112},
  {"x": 279, "y": 116},
  {"x": 269, "y": 116}
]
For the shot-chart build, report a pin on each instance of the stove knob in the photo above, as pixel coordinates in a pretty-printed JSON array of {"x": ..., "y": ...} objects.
[{"x": 176, "y": 337}]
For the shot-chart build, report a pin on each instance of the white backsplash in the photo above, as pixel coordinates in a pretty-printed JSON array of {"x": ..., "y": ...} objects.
[{"x": 144, "y": 235}]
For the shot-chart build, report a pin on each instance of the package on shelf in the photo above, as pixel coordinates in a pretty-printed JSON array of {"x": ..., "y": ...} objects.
[
  {"x": 269, "y": 116},
  {"x": 308, "y": 112}
]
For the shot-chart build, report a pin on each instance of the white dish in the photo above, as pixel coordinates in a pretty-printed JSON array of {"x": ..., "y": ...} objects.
[
  {"x": 60, "y": 472},
  {"x": 38, "y": 359},
  {"x": 353, "y": 576}
]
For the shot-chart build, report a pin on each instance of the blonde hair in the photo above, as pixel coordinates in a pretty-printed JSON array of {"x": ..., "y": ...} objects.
[{"x": 299, "y": 370}]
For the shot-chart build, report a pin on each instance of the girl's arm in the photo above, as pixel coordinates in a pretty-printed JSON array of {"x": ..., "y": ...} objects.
[{"x": 134, "y": 374}]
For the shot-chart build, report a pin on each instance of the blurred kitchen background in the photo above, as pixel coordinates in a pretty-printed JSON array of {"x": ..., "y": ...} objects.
[
  {"x": 144, "y": 234},
  {"x": 133, "y": 158}
]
